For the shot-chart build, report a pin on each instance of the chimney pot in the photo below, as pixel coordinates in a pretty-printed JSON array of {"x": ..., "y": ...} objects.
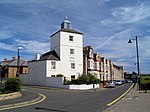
[
  {"x": 14, "y": 58},
  {"x": 5, "y": 59}
]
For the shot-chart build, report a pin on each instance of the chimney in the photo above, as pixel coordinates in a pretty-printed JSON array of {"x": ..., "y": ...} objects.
[
  {"x": 37, "y": 57},
  {"x": 5, "y": 59},
  {"x": 13, "y": 58}
]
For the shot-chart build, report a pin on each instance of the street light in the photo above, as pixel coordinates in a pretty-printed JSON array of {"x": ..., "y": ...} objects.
[
  {"x": 138, "y": 64},
  {"x": 18, "y": 62},
  {"x": 1, "y": 66}
]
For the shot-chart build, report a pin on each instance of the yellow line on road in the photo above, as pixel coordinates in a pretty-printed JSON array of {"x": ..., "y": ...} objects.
[
  {"x": 23, "y": 104},
  {"x": 111, "y": 103}
]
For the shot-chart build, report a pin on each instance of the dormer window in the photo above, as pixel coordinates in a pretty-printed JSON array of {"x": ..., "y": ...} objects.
[{"x": 71, "y": 38}]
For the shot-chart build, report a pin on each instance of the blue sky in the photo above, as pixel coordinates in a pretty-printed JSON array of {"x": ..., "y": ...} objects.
[{"x": 106, "y": 24}]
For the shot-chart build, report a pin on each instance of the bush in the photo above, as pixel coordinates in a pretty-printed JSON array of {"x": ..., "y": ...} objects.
[
  {"x": 145, "y": 82},
  {"x": 4, "y": 91},
  {"x": 88, "y": 79},
  {"x": 59, "y": 75},
  {"x": 13, "y": 84},
  {"x": 84, "y": 79}
]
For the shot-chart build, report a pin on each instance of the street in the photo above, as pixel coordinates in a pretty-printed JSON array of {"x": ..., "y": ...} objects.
[{"x": 62, "y": 100}]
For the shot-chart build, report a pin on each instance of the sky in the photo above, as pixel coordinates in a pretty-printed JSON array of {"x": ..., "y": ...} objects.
[{"x": 107, "y": 25}]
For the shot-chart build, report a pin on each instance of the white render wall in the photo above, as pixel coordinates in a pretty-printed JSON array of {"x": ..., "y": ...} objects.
[
  {"x": 61, "y": 44},
  {"x": 55, "y": 43},
  {"x": 50, "y": 71},
  {"x": 56, "y": 82}
]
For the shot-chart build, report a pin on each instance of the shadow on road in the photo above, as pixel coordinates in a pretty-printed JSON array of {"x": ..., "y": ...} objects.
[{"x": 39, "y": 108}]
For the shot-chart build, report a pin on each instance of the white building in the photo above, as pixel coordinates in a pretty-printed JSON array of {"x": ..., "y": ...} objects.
[
  {"x": 65, "y": 57},
  {"x": 69, "y": 46}
]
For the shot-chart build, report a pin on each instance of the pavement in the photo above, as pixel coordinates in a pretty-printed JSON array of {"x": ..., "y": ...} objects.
[{"x": 134, "y": 101}]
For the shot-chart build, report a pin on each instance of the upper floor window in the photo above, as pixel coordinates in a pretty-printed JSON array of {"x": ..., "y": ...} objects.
[
  {"x": 71, "y": 38},
  {"x": 72, "y": 65},
  {"x": 53, "y": 65},
  {"x": 91, "y": 53},
  {"x": 71, "y": 51}
]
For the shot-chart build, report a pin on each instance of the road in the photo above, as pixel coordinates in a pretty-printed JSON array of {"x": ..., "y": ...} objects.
[{"x": 62, "y": 100}]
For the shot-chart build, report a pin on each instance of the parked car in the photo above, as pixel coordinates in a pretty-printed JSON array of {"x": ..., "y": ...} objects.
[
  {"x": 119, "y": 82},
  {"x": 123, "y": 81},
  {"x": 129, "y": 81},
  {"x": 110, "y": 84}
]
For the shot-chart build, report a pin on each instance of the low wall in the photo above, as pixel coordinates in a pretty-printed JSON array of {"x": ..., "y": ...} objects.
[
  {"x": 83, "y": 86},
  {"x": 29, "y": 79},
  {"x": 58, "y": 82},
  {"x": 55, "y": 82}
]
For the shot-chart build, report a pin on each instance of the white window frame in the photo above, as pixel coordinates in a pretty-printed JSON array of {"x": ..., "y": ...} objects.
[
  {"x": 73, "y": 66},
  {"x": 71, "y": 39},
  {"x": 72, "y": 51},
  {"x": 53, "y": 65}
]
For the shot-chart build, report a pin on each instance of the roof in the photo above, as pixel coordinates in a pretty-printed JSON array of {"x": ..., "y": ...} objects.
[
  {"x": 67, "y": 30},
  {"x": 118, "y": 67},
  {"x": 51, "y": 55},
  {"x": 14, "y": 62}
]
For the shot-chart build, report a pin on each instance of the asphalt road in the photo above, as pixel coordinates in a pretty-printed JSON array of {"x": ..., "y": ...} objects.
[{"x": 61, "y": 100}]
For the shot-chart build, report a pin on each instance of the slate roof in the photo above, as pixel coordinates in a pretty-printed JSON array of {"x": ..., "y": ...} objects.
[
  {"x": 67, "y": 30},
  {"x": 51, "y": 55},
  {"x": 14, "y": 62}
]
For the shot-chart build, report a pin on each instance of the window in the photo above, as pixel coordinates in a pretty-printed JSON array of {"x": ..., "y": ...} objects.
[
  {"x": 53, "y": 65},
  {"x": 70, "y": 38},
  {"x": 72, "y": 77},
  {"x": 72, "y": 65},
  {"x": 71, "y": 51}
]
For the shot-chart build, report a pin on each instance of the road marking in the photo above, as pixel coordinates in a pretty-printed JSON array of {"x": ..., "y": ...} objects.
[
  {"x": 111, "y": 103},
  {"x": 23, "y": 104}
]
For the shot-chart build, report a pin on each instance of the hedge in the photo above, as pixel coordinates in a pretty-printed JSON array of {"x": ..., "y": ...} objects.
[
  {"x": 84, "y": 79},
  {"x": 13, "y": 84},
  {"x": 145, "y": 82}
]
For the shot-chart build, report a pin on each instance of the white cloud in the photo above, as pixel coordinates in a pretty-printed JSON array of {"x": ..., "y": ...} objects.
[
  {"x": 120, "y": 37},
  {"x": 5, "y": 34},
  {"x": 128, "y": 14},
  {"x": 7, "y": 46},
  {"x": 33, "y": 46},
  {"x": 28, "y": 46}
]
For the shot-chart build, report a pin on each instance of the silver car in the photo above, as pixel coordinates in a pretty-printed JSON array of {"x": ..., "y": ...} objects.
[
  {"x": 110, "y": 84},
  {"x": 118, "y": 82}
]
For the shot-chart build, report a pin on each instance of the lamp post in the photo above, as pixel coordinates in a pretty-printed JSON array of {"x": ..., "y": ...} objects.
[
  {"x": 1, "y": 66},
  {"x": 18, "y": 62},
  {"x": 137, "y": 52}
]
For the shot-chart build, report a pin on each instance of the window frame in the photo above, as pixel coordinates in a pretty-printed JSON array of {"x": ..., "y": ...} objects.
[
  {"x": 72, "y": 51},
  {"x": 71, "y": 39},
  {"x": 73, "y": 66},
  {"x": 53, "y": 65}
]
